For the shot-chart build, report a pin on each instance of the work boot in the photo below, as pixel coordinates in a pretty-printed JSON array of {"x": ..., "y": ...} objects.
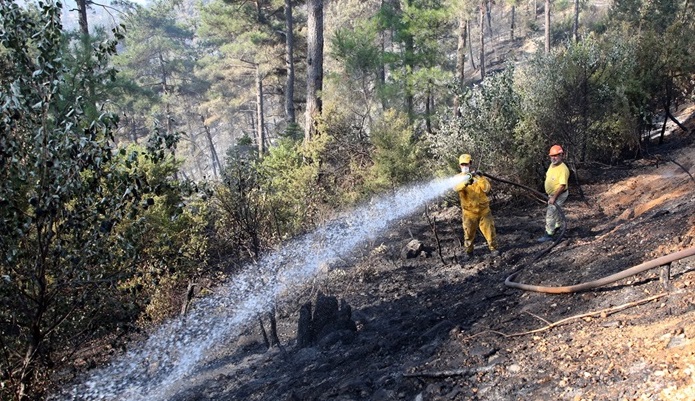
[
  {"x": 466, "y": 257},
  {"x": 545, "y": 238}
]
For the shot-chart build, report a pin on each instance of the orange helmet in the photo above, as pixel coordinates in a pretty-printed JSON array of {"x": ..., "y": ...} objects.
[{"x": 555, "y": 150}]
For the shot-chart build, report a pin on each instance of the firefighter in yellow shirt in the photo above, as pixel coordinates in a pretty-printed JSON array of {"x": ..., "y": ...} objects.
[
  {"x": 475, "y": 207},
  {"x": 556, "y": 182}
]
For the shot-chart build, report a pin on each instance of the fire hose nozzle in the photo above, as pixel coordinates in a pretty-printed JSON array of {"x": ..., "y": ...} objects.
[{"x": 467, "y": 178}]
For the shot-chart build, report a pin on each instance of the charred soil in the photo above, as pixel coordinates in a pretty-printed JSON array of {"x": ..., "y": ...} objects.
[{"x": 431, "y": 328}]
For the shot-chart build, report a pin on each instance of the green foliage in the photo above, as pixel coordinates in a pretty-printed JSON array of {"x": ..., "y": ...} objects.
[
  {"x": 243, "y": 220},
  {"x": 155, "y": 69},
  {"x": 243, "y": 41},
  {"x": 262, "y": 201},
  {"x": 421, "y": 31},
  {"x": 396, "y": 155},
  {"x": 485, "y": 129},
  {"x": 559, "y": 6},
  {"x": 96, "y": 238},
  {"x": 290, "y": 180},
  {"x": 532, "y": 25},
  {"x": 74, "y": 211},
  {"x": 171, "y": 232},
  {"x": 561, "y": 30},
  {"x": 664, "y": 65},
  {"x": 345, "y": 153},
  {"x": 577, "y": 98},
  {"x": 357, "y": 50}
]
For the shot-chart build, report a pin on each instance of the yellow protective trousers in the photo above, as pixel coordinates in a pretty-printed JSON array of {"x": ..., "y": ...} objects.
[{"x": 479, "y": 219}]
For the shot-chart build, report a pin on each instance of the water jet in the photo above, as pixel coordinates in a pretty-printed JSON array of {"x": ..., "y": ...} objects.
[{"x": 156, "y": 369}]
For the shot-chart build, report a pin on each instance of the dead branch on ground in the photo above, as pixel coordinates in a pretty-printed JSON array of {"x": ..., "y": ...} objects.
[
  {"x": 449, "y": 373},
  {"x": 602, "y": 312}
]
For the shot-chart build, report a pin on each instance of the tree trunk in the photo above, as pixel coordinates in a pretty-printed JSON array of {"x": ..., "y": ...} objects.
[
  {"x": 470, "y": 44},
  {"x": 386, "y": 44},
  {"x": 167, "y": 104},
  {"x": 482, "y": 41},
  {"x": 575, "y": 28},
  {"x": 511, "y": 30},
  {"x": 216, "y": 166},
  {"x": 190, "y": 291},
  {"x": 165, "y": 91},
  {"x": 460, "y": 61},
  {"x": 304, "y": 326},
  {"x": 409, "y": 50},
  {"x": 260, "y": 122},
  {"x": 547, "y": 26},
  {"x": 273, "y": 337},
  {"x": 488, "y": 13},
  {"x": 290, "y": 117},
  {"x": 266, "y": 341},
  {"x": 678, "y": 123},
  {"x": 82, "y": 10},
  {"x": 314, "y": 66},
  {"x": 428, "y": 108}
]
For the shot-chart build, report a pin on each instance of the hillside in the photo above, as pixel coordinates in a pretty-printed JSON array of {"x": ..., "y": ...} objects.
[{"x": 429, "y": 328}]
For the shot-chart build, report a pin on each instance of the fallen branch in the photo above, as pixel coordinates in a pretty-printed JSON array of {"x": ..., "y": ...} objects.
[
  {"x": 539, "y": 318},
  {"x": 678, "y": 123},
  {"x": 450, "y": 373},
  {"x": 602, "y": 312},
  {"x": 681, "y": 166},
  {"x": 565, "y": 289},
  {"x": 433, "y": 225}
]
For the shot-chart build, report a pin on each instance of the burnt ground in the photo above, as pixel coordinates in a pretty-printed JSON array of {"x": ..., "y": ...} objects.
[{"x": 429, "y": 328}]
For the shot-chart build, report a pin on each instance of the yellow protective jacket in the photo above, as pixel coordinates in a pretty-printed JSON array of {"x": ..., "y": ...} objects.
[{"x": 474, "y": 196}]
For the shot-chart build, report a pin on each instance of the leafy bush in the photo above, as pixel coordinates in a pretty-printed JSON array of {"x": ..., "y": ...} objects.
[
  {"x": 485, "y": 129},
  {"x": 396, "y": 154},
  {"x": 576, "y": 97},
  {"x": 262, "y": 201},
  {"x": 74, "y": 211}
]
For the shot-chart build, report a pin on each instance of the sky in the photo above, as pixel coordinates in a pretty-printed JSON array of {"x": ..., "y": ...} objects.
[{"x": 96, "y": 15}]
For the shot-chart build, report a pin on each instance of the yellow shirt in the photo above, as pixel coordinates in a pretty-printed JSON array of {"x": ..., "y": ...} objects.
[
  {"x": 474, "y": 196},
  {"x": 556, "y": 176}
]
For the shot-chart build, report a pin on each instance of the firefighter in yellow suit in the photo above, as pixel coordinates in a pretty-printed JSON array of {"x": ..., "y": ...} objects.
[{"x": 475, "y": 206}]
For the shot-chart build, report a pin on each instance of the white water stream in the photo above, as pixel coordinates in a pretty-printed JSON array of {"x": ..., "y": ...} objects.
[{"x": 157, "y": 369}]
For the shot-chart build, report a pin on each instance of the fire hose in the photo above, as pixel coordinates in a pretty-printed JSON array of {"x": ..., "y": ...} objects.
[{"x": 631, "y": 271}]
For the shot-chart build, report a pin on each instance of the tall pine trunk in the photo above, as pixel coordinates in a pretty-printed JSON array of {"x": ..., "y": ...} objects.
[
  {"x": 460, "y": 60},
  {"x": 470, "y": 44},
  {"x": 314, "y": 66},
  {"x": 575, "y": 28},
  {"x": 513, "y": 17},
  {"x": 547, "y": 26},
  {"x": 482, "y": 40},
  {"x": 214, "y": 158},
  {"x": 82, "y": 10},
  {"x": 289, "y": 61},
  {"x": 260, "y": 119}
]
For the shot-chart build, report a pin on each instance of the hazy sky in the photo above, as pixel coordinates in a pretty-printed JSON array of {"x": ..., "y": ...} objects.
[{"x": 96, "y": 15}]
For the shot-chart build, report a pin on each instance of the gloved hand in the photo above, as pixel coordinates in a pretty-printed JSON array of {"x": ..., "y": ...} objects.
[{"x": 467, "y": 179}]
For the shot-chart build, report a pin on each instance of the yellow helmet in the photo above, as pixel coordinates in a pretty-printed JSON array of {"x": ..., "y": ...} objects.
[{"x": 465, "y": 158}]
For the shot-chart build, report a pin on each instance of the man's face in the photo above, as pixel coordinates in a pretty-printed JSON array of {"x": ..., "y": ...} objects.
[
  {"x": 556, "y": 159},
  {"x": 465, "y": 167}
]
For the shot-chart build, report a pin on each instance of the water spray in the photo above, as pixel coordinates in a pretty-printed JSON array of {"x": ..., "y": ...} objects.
[{"x": 158, "y": 368}]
